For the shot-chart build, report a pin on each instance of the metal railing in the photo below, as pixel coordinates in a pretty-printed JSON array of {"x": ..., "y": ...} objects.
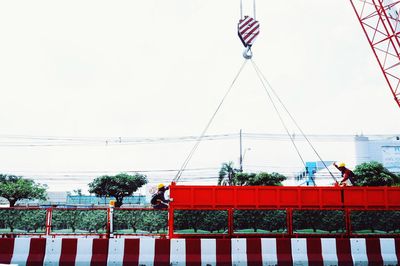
[{"x": 189, "y": 223}]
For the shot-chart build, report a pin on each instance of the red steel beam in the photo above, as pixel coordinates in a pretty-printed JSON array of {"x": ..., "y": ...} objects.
[{"x": 278, "y": 197}]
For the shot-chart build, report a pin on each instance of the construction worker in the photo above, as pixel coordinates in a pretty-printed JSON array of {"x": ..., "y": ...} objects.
[
  {"x": 347, "y": 174},
  {"x": 158, "y": 200}
]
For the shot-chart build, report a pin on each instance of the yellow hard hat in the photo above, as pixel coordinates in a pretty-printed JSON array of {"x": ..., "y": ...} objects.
[
  {"x": 160, "y": 186},
  {"x": 342, "y": 165}
]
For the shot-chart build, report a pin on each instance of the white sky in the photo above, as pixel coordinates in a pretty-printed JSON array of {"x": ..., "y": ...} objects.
[{"x": 157, "y": 68}]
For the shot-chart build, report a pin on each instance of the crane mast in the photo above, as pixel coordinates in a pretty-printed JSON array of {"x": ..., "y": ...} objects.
[{"x": 381, "y": 24}]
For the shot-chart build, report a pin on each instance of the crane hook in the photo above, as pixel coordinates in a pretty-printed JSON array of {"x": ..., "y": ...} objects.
[
  {"x": 248, "y": 30},
  {"x": 247, "y": 53}
]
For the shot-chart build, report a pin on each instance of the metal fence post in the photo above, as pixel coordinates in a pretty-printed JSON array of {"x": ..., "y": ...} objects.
[
  {"x": 348, "y": 222},
  {"x": 289, "y": 216},
  {"x": 230, "y": 222},
  {"x": 49, "y": 214},
  {"x": 170, "y": 221},
  {"x": 110, "y": 216}
]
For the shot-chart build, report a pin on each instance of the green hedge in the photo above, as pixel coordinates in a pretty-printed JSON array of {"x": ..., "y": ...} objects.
[
  {"x": 316, "y": 221},
  {"x": 22, "y": 221},
  {"x": 79, "y": 221},
  {"x": 375, "y": 222},
  {"x": 140, "y": 221},
  {"x": 259, "y": 221},
  {"x": 201, "y": 221}
]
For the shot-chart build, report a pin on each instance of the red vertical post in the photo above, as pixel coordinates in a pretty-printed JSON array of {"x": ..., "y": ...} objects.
[
  {"x": 348, "y": 222},
  {"x": 386, "y": 198},
  {"x": 170, "y": 221},
  {"x": 49, "y": 214},
  {"x": 230, "y": 222},
  {"x": 289, "y": 221},
  {"x": 108, "y": 223},
  {"x": 171, "y": 211}
]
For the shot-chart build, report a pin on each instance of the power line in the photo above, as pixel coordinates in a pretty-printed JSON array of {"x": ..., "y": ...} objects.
[
  {"x": 38, "y": 141},
  {"x": 193, "y": 174}
]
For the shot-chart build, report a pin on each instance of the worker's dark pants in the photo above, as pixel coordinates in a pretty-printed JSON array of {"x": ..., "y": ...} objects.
[{"x": 160, "y": 206}]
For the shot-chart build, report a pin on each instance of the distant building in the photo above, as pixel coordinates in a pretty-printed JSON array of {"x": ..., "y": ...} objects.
[
  {"x": 53, "y": 198},
  {"x": 314, "y": 174},
  {"x": 385, "y": 151}
]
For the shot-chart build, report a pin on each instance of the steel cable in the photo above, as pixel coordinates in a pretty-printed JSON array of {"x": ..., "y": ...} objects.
[
  {"x": 279, "y": 115},
  {"x": 190, "y": 155},
  {"x": 292, "y": 118}
]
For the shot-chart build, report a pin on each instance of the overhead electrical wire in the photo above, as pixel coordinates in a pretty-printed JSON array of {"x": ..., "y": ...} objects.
[
  {"x": 206, "y": 174},
  {"x": 122, "y": 141}
]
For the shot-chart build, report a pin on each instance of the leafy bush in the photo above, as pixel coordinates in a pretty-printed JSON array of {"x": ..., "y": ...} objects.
[
  {"x": 79, "y": 221},
  {"x": 374, "y": 174},
  {"x": 140, "y": 221},
  {"x": 375, "y": 221},
  {"x": 316, "y": 220},
  {"x": 22, "y": 221},
  {"x": 193, "y": 221},
  {"x": 265, "y": 220}
]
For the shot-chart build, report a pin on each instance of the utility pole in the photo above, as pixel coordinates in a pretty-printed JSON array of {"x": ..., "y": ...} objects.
[{"x": 241, "y": 154}]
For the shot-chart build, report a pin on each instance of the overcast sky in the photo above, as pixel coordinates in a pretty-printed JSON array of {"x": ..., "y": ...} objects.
[{"x": 157, "y": 68}]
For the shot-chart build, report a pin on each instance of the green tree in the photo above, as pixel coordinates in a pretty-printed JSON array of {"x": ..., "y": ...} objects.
[
  {"x": 118, "y": 186},
  {"x": 93, "y": 220},
  {"x": 189, "y": 219},
  {"x": 243, "y": 179},
  {"x": 374, "y": 174},
  {"x": 327, "y": 220},
  {"x": 227, "y": 174},
  {"x": 259, "y": 219},
  {"x": 10, "y": 218},
  {"x": 78, "y": 192},
  {"x": 220, "y": 221},
  {"x": 266, "y": 179},
  {"x": 215, "y": 221},
  {"x": 154, "y": 220},
  {"x": 249, "y": 219},
  {"x": 65, "y": 219},
  {"x": 124, "y": 219},
  {"x": 14, "y": 188},
  {"x": 32, "y": 220},
  {"x": 372, "y": 221},
  {"x": 206, "y": 220}
]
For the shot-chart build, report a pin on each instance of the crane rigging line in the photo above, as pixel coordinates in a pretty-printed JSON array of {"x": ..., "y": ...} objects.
[
  {"x": 262, "y": 76},
  {"x": 190, "y": 155},
  {"x": 279, "y": 115},
  {"x": 264, "y": 83}
]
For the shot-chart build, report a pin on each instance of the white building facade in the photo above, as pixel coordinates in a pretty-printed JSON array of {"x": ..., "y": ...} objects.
[{"x": 383, "y": 150}]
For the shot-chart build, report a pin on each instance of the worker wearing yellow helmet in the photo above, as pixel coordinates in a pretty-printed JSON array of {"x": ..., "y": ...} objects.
[
  {"x": 158, "y": 200},
  {"x": 347, "y": 174}
]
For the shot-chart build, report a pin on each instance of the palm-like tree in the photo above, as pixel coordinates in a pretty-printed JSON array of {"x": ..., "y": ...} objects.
[{"x": 227, "y": 174}]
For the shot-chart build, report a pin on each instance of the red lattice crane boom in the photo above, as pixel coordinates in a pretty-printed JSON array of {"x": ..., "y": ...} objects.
[{"x": 381, "y": 24}]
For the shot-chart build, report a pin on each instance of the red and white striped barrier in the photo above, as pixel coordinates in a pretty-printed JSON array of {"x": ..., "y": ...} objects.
[{"x": 240, "y": 251}]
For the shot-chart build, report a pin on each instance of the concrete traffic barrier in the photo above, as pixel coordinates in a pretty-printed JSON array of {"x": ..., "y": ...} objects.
[{"x": 239, "y": 251}]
